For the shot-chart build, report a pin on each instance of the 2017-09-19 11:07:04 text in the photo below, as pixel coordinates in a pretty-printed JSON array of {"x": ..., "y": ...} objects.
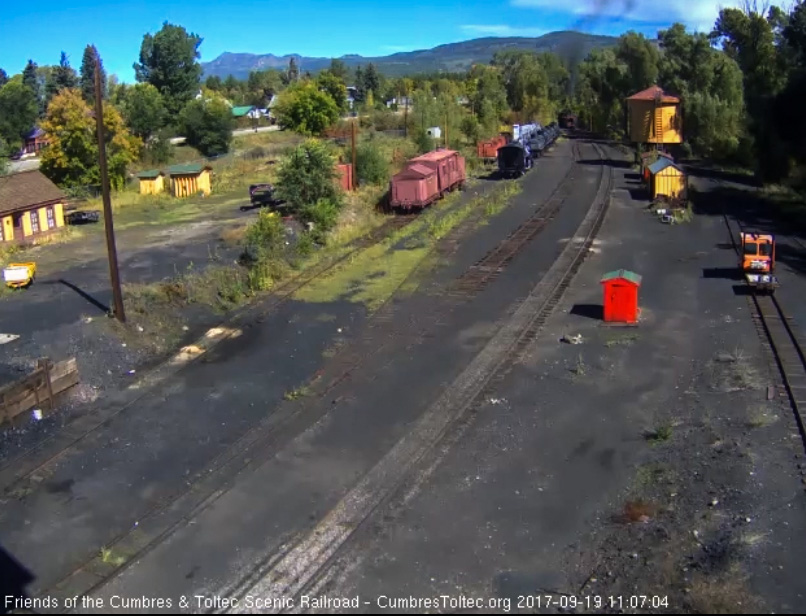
[{"x": 382, "y": 602}]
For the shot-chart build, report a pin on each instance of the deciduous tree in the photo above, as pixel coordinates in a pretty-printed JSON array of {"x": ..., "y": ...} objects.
[
  {"x": 19, "y": 110},
  {"x": 207, "y": 126},
  {"x": 307, "y": 176},
  {"x": 169, "y": 62},
  {"x": 71, "y": 158},
  {"x": 335, "y": 87},
  {"x": 144, "y": 110},
  {"x": 305, "y": 109}
]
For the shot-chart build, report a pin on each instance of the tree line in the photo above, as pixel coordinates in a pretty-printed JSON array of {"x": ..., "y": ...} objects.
[{"x": 739, "y": 84}]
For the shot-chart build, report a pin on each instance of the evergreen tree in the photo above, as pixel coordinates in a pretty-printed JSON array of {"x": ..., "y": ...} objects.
[
  {"x": 29, "y": 76},
  {"x": 63, "y": 76},
  {"x": 3, "y": 78},
  {"x": 87, "y": 80}
]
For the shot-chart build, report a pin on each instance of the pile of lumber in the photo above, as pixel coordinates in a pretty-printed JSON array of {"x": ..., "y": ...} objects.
[{"x": 37, "y": 390}]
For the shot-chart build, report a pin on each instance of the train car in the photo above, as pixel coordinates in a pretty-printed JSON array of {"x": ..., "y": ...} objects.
[
  {"x": 568, "y": 120},
  {"x": 514, "y": 159},
  {"x": 488, "y": 150},
  {"x": 537, "y": 144},
  {"x": 415, "y": 187},
  {"x": 449, "y": 166}
]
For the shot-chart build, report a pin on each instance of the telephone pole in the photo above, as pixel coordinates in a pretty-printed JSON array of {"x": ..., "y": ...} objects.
[
  {"x": 352, "y": 136},
  {"x": 114, "y": 274}
]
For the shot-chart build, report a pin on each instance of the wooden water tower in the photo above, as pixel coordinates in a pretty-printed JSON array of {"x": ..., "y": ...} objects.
[{"x": 653, "y": 117}]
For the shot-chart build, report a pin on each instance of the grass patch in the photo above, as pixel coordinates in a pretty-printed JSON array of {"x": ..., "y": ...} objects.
[
  {"x": 373, "y": 275},
  {"x": 580, "y": 368},
  {"x": 653, "y": 475},
  {"x": 234, "y": 236},
  {"x": 500, "y": 201},
  {"x": 627, "y": 340},
  {"x": 722, "y": 594},
  {"x": 761, "y": 418},
  {"x": 296, "y": 394},
  {"x": 661, "y": 434},
  {"x": 109, "y": 557},
  {"x": 733, "y": 371}
]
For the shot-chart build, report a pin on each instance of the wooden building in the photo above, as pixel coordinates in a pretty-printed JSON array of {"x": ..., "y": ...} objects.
[
  {"x": 653, "y": 116},
  {"x": 666, "y": 179},
  {"x": 151, "y": 182},
  {"x": 34, "y": 142},
  {"x": 190, "y": 180},
  {"x": 30, "y": 206}
]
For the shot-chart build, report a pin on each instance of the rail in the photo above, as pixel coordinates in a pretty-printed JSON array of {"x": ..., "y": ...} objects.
[{"x": 784, "y": 344}]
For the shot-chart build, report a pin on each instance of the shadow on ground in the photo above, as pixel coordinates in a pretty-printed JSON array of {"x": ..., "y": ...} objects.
[
  {"x": 14, "y": 578},
  {"x": 590, "y": 311}
]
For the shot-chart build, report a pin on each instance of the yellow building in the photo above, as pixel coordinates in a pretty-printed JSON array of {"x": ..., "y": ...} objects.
[
  {"x": 189, "y": 180},
  {"x": 666, "y": 179},
  {"x": 30, "y": 206},
  {"x": 151, "y": 182},
  {"x": 653, "y": 116}
]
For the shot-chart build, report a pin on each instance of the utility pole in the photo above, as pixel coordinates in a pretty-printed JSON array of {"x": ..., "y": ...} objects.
[
  {"x": 353, "y": 148},
  {"x": 114, "y": 274}
]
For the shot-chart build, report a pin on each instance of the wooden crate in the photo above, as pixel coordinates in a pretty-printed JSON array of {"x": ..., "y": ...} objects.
[{"x": 38, "y": 389}]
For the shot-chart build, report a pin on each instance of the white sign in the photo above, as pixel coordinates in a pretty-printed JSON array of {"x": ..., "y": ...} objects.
[{"x": 434, "y": 132}]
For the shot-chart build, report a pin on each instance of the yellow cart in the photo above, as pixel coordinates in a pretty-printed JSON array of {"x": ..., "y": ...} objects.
[{"x": 18, "y": 275}]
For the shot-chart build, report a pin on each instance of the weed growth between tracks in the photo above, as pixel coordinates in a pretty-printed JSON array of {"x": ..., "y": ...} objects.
[{"x": 371, "y": 277}]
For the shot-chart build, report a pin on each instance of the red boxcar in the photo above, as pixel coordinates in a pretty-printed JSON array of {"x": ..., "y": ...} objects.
[
  {"x": 489, "y": 149},
  {"x": 345, "y": 176},
  {"x": 415, "y": 187},
  {"x": 449, "y": 166}
]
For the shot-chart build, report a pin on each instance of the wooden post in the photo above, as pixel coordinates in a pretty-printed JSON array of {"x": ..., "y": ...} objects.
[
  {"x": 353, "y": 182},
  {"x": 44, "y": 364}
]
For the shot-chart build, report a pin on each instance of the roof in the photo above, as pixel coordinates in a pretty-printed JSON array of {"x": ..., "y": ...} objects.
[
  {"x": 658, "y": 154},
  {"x": 150, "y": 174},
  {"x": 189, "y": 169},
  {"x": 622, "y": 273},
  {"x": 435, "y": 155},
  {"x": 651, "y": 94},
  {"x": 26, "y": 189},
  {"x": 35, "y": 133},
  {"x": 416, "y": 170},
  {"x": 661, "y": 164},
  {"x": 241, "y": 111}
]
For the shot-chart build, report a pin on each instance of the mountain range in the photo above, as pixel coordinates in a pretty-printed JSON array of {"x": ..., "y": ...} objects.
[{"x": 451, "y": 57}]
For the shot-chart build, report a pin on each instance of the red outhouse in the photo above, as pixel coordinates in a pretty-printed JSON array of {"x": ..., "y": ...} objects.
[
  {"x": 621, "y": 296},
  {"x": 345, "y": 177}
]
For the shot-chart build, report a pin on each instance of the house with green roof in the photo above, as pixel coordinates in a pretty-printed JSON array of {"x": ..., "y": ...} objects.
[
  {"x": 152, "y": 182},
  {"x": 190, "y": 179}
]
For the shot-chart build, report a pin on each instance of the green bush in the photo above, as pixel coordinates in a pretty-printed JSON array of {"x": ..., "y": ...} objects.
[
  {"x": 308, "y": 175},
  {"x": 371, "y": 164},
  {"x": 323, "y": 215},
  {"x": 265, "y": 237}
]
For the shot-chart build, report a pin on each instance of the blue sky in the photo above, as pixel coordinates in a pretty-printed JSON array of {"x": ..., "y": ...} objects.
[{"x": 41, "y": 30}]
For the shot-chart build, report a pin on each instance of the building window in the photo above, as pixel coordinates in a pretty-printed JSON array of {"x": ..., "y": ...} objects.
[
  {"x": 51, "y": 218},
  {"x": 34, "y": 221}
]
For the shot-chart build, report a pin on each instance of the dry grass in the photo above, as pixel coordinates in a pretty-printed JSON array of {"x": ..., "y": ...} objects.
[
  {"x": 234, "y": 236},
  {"x": 638, "y": 511},
  {"x": 626, "y": 340},
  {"x": 724, "y": 594}
]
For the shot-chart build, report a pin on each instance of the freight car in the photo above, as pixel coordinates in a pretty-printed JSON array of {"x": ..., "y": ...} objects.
[
  {"x": 568, "y": 120},
  {"x": 537, "y": 143},
  {"x": 488, "y": 150},
  {"x": 514, "y": 159},
  {"x": 427, "y": 178}
]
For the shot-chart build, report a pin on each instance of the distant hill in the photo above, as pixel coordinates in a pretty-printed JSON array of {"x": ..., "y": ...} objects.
[{"x": 452, "y": 57}]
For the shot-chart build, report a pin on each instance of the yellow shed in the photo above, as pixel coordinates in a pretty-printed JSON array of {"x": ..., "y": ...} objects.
[
  {"x": 653, "y": 116},
  {"x": 30, "y": 206},
  {"x": 189, "y": 180},
  {"x": 666, "y": 179},
  {"x": 151, "y": 182}
]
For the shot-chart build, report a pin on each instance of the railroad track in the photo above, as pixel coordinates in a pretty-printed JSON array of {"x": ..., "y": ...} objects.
[
  {"x": 784, "y": 344},
  {"x": 249, "y": 452},
  {"x": 309, "y": 563},
  {"x": 495, "y": 262}
]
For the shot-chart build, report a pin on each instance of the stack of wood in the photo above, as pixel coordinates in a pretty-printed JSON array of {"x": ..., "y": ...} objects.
[{"x": 38, "y": 389}]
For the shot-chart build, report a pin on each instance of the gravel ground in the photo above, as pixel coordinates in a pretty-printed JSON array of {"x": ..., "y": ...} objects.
[{"x": 644, "y": 462}]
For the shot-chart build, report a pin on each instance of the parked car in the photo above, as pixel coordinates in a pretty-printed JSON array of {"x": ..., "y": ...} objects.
[
  {"x": 261, "y": 195},
  {"x": 82, "y": 217}
]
